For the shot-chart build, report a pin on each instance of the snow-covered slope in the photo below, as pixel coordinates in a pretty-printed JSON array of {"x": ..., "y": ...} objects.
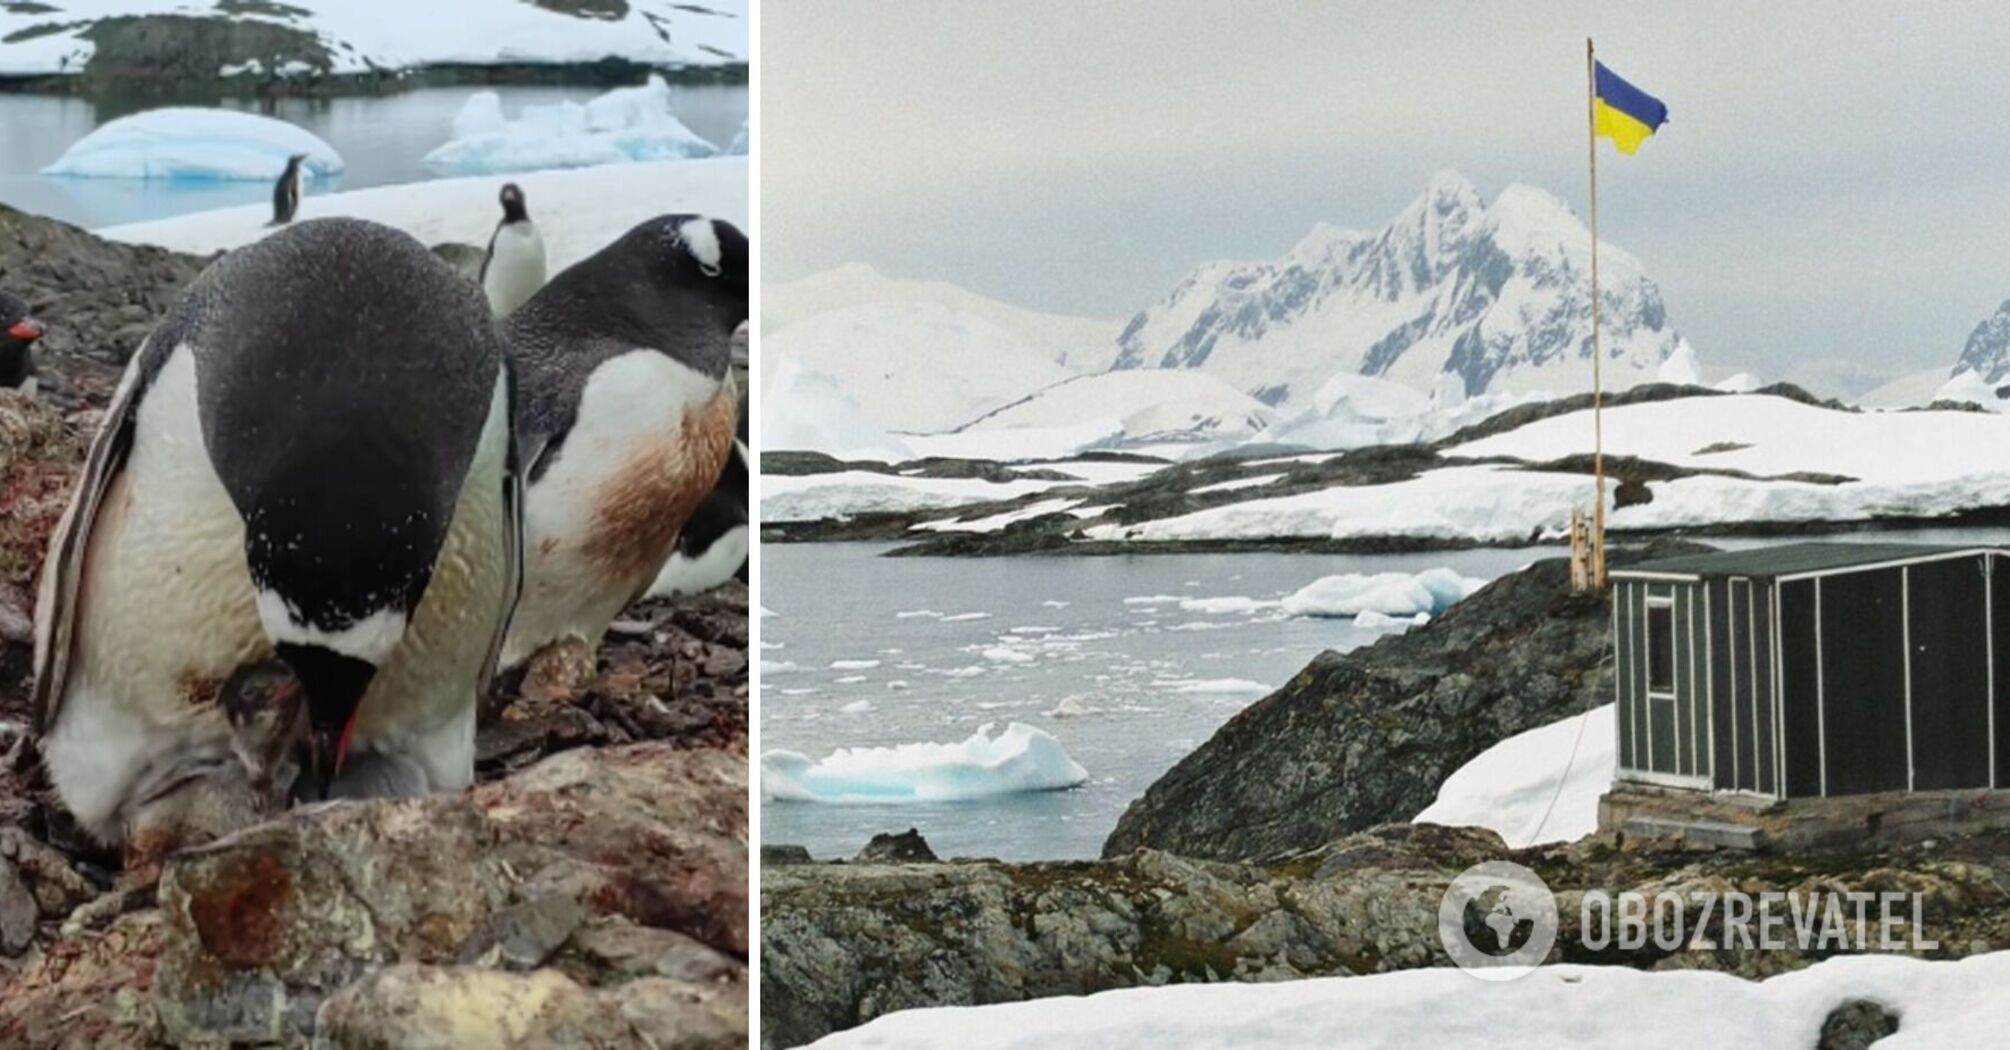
[
  {"x": 804, "y": 409},
  {"x": 1941, "y": 1003},
  {"x": 1906, "y": 391},
  {"x": 916, "y": 366},
  {"x": 578, "y": 211},
  {"x": 1082, "y": 344},
  {"x": 365, "y": 35},
  {"x": 1133, "y": 407},
  {"x": 1497, "y": 294}
]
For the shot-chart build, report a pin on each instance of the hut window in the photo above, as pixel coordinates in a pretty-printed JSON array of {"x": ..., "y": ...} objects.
[{"x": 1661, "y": 646}]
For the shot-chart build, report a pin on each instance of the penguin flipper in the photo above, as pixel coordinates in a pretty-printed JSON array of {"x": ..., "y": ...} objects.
[
  {"x": 514, "y": 474},
  {"x": 63, "y": 569}
]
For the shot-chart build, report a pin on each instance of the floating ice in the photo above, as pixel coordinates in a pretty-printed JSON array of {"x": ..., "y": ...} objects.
[
  {"x": 1020, "y": 758},
  {"x": 626, "y": 124},
  {"x": 1211, "y": 686},
  {"x": 856, "y": 707},
  {"x": 853, "y": 665},
  {"x": 966, "y": 617},
  {"x": 1390, "y": 593},
  {"x": 1234, "y": 603},
  {"x": 1371, "y": 620},
  {"x": 186, "y": 142}
]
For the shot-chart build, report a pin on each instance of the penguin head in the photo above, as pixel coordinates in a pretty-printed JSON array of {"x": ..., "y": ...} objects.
[
  {"x": 512, "y": 204},
  {"x": 332, "y": 685},
  {"x": 18, "y": 331},
  {"x": 264, "y": 704},
  {"x": 706, "y": 258}
]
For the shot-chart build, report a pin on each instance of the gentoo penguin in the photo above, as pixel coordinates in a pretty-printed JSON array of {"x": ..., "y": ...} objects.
[
  {"x": 513, "y": 268},
  {"x": 308, "y": 460},
  {"x": 712, "y": 546},
  {"x": 18, "y": 333},
  {"x": 625, "y": 419},
  {"x": 286, "y": 192}
]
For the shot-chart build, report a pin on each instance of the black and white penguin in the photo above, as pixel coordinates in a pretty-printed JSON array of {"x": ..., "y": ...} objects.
[
  {"x": 286, "y": 193},
  {"x": 18, "y": 332},
  {"x": 626, "y": 417},
  {"x": 712, "y": 547},
  {"x": 282, "y": 475},
  {"x": 513, "y": 268}
]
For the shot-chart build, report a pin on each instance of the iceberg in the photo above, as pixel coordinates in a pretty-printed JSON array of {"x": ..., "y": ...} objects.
[
  {"x": 1018, "y": 759},
  {"x": 187, "y": 142},
  {"x": 739, "y": 146},
  {"x": 622, "y": 126},
  {"x": 1389, "y": 593}
]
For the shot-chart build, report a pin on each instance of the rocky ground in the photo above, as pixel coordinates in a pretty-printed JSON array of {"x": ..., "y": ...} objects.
[
  {"x": 844, "y": 943},
  {"x": 592, "y": 890}
]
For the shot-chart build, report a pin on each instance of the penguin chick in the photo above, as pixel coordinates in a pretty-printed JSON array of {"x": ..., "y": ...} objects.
[
  {"x": 513, "y": 269},
  {"x": 625, "y": 420},
  {"x": 266, "y": 709},
  {"x": 18, "y": 332},
  {"x": 280, "y": 476},
  {"x": 286, "y": 192}
]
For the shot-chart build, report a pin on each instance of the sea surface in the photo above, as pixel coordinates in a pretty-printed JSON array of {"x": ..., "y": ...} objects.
[
  {"x": 381, "y": 138},
  {"x": 862, "y": 651}
]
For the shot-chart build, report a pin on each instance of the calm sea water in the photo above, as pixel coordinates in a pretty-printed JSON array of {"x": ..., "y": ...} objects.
[
  {"x": 381, "y": 139},
  {"x": 1144, "y": 674}
]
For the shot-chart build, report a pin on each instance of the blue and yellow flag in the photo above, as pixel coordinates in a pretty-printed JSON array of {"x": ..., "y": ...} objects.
[{"x": 1624, "y": 113}]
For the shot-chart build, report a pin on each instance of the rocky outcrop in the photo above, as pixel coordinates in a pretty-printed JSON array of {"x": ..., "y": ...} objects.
[
  {"x": 1364, "y": 737},
  {"x": 98, "y": 298},
  {"x": 842, "y": 944},
  {"x": 606, "y": 886}
]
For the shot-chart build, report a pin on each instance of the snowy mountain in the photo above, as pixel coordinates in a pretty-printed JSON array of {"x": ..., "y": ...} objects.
[
  {"x": 915, "y": 367},
  {"x": 1988, "y": 351},
  {"x": 1080, "y": 343},
  {"x": 1497, "y": 294},
  {"x": 1135, "y": 407}
]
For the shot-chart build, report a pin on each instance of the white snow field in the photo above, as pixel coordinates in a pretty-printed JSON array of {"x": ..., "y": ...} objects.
[
  {"x": 1080, "y": 343},
  {"x": 997, "y": 522},
  {"x": 916, "y": 367},
  {"x": 845, "y": 494},
  {"x": 188, "y": 142},
  {"x": 366, "y": 35},
  {"x": 1117, "y": 409},
  {"x": 802, "y": 408},
  {"x": 1911, "y": 465},
  {"x": 626, "y": 124},
  {"x": 1942, "y": 1004},
  {"x": 578, "y": 212},
  {"x": 1018, "y": 758},
  {"x": 1511, "y": 786}
]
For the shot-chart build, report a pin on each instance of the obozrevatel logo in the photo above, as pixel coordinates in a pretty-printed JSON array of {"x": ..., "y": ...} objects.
[{"x": 1497, "y": 920}]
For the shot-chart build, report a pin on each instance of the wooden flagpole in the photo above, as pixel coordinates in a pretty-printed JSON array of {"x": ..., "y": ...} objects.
[{"x": 1597, "y": 393}]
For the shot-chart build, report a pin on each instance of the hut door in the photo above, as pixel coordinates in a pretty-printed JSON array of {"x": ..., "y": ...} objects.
[{"x": 1750, "y": 653}]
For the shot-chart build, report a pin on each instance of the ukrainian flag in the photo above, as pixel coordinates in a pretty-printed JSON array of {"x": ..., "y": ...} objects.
[{"x": 1624, "y": 113}]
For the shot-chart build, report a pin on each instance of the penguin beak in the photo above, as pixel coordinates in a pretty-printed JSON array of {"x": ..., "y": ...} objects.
[
  {"x": 25, "y": 331},
  {"x": 329, "y": 751}
]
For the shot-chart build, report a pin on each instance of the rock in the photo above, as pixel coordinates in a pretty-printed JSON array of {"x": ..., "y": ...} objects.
[
  {"x": 18, "y": 911},
  {"x": 409, "y": 1007},
  {"x": 1856, "y": 1024},
  {"x": 908, "y": 847},
  {"x": 1366, "y": 737},
  {"x": 785, "y": 855},
  {"x": 162, "y": 52},
  {"x": 98, "y": 298},
  {"x": 637, "y": 852},
  {"x": 842, "y": 944}
]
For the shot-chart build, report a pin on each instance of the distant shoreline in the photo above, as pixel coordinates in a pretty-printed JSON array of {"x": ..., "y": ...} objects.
[{"x": 607, "y": 72}]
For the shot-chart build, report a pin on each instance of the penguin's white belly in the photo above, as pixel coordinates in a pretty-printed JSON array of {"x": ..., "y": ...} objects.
[
  {"x": 515, "y": 269},
  {"x": 648, "y": 442},
  {"x": 165, "y": 609}
]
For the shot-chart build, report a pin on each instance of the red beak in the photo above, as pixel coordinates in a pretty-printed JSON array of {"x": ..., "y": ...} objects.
[
  {"x": 342, "y": 745},
  {"x": 26, "y": 331}
]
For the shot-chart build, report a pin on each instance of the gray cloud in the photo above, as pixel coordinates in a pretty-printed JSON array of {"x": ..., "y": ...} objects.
[{"x": 1834, "y": 184}]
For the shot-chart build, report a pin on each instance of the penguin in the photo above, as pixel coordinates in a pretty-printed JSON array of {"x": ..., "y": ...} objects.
[
  {"x": 626, "y": 418},
  {"x": 308, "y": 460},
  {"x": 18, "y": 332},
  {"x": 286, "y": 193},
  {"x": 712, "y": 547},
  {"x": 513, "y": 268}
]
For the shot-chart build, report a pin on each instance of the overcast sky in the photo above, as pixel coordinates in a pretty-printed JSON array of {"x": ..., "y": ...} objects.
[{"x": 1832, "y": 192}]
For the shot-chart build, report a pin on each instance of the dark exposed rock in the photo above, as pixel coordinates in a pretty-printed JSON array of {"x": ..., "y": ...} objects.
[
  {"x": 1855, "y": 1025},
  {"x": 1364, "y": 737},
  {"x": 908, "y": 847},
  {"x": 165, "y": 53},
  {"x": 842, "y": 944},
  {"x": 98, "y": 298},
  {"x": 785, "y": 854}
]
